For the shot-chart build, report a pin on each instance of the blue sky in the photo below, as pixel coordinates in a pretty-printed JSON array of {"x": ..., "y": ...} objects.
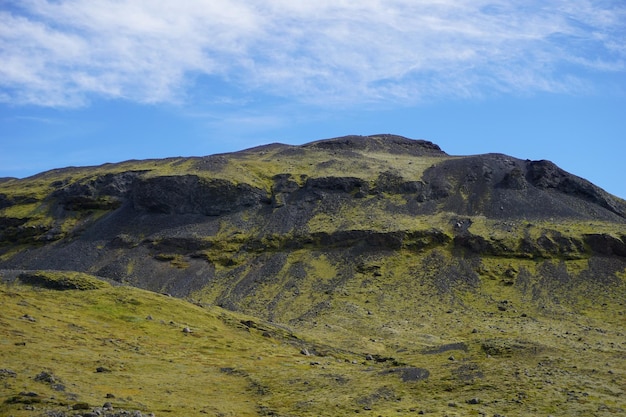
[{"x": 85, "y": 82}]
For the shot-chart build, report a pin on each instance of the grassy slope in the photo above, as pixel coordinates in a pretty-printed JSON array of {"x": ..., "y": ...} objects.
[{"x": 554, "y": 362}]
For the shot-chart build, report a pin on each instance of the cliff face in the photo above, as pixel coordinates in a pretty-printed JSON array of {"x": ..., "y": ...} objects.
[{"x": 247, "y": 230}]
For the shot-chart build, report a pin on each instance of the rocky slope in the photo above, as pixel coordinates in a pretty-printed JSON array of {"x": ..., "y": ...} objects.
[
  {"x": 377, "y": 245},
  {"x": 177, "y": 225}
]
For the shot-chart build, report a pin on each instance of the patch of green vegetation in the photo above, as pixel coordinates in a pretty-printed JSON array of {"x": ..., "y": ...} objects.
[
  {"x": 130, "y": 267},
  {"x": 322, "y": 268},
  {"x": 21, "y": 211},
  {"x": 492, "y": 343},
  {"x": 153, "y": 365},
  {"x": 27, "y": 190},
  {"x": 176, "y": 260},
  {"x": 258, "y": 168},
  {"x": 374, "y": 214}
]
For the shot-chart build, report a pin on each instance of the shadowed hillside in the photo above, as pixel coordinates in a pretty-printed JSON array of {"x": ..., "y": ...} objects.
[{"x": 460, "y": 284}]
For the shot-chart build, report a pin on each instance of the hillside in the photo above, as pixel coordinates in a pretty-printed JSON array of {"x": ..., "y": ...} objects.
[{"x": 416, "y": 281}]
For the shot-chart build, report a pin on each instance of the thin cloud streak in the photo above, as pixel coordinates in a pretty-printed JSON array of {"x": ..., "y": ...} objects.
[{"x": 65, "y": 53}]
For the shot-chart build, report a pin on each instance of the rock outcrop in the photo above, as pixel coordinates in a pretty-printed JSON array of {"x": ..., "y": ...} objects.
[{"x": 189, "y": 194}]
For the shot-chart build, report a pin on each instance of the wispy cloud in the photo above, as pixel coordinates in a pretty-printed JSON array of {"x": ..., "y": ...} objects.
[{"x": 66, "y": 52}]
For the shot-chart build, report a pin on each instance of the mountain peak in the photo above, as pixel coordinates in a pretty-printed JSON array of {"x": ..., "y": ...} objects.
[{"x": 394, "y": 144}]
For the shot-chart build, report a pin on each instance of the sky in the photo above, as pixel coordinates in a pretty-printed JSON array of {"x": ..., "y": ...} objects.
[{"x": 87, "y": 82}]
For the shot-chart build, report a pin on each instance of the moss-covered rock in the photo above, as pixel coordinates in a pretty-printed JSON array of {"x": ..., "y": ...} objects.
[{"x": 62, "y": 280}]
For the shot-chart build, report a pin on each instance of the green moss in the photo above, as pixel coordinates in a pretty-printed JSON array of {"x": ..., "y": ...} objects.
[
  {"x": 321, "y": 268},
  {"x": 21, "y": 211},
  {"x": 155, "y": 367},
  {"x": 130, "y": 267}
]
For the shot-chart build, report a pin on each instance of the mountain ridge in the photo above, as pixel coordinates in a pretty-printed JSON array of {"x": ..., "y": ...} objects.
[{"x": 392, "y": 199}]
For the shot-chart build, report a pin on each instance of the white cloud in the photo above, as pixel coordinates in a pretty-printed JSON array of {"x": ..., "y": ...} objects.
[{"x": 64, "y": 52}]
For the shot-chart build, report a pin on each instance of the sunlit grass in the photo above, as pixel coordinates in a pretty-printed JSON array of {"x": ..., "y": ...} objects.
[{"x": 224, "y": 367}]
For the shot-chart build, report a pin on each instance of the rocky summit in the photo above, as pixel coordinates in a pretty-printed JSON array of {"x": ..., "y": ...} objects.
[{"x": 375, "y": 274}]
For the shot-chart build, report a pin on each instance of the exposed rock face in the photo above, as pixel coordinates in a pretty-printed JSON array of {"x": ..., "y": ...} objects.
[
  {"x": 604, "y": 244},
  {"x": 187, "y": 194},
  {"x": 173, "y": 194},
  {"x": 497, "y": 185},
  {"x": 546, "y": 175},
  {"x": 106, "y": 192},
  {"x": 343, "y": 184}
]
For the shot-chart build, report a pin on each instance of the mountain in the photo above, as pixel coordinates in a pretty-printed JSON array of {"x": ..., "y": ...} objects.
[{"x": 457, "y": 284}]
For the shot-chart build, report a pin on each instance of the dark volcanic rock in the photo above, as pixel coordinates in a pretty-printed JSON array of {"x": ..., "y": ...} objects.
[
  {"x": 514, "y": 180},
  {"x": 499, "y": 186},
  {"x": 106, "y": 192},
  {"x": 7, "y": 373},
  {"x": 391, "y": 240},
  {"x": 284, "y": 183},
  {"x": 546, "y": 175},
  {"x": 409, "y": 374},
  {"x": 57, "y": 280},
  {"x": 390, "y": 182},
  {"x": 445, "y": 348},
  {"x": 604, "y": 244},
  {"x": 5, "y": 201},
  {"x": 183, "y": 194},
  {"x": 343, "y": 184},
  {"x": 180, "y": 244},
  {"x": 393, "y": 144},
  {"x": 16, "y": 231}
]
